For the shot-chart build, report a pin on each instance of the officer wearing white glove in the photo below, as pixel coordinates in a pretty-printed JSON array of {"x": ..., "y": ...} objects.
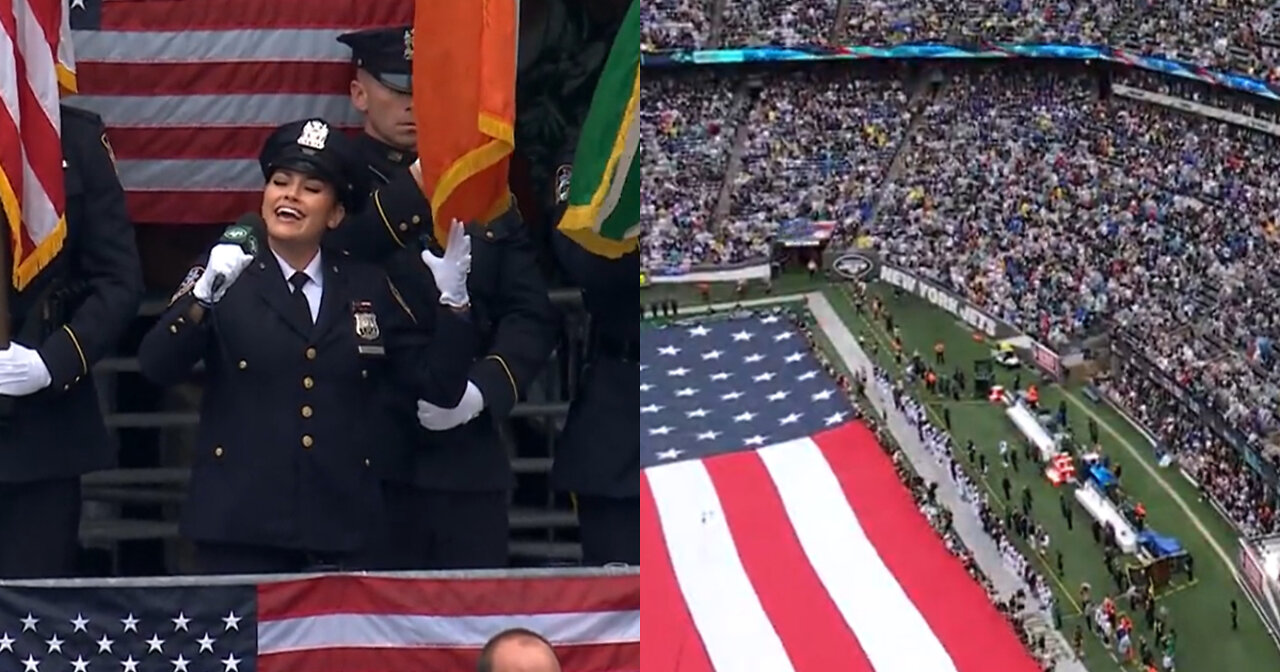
[
  {"x": 451, "y": 270},
  {"x": 226, "y": 261},
  {"x": 22, "y": 371},
  {"x": 438, "y": 419}
]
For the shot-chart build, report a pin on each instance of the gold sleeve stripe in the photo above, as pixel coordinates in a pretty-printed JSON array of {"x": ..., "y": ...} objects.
[
  {"x": 395, "y": 294},
  {"x": 515, "y": 390},
  {"x": 84, "y": 363},
  {"x": 377, "y": 202}
]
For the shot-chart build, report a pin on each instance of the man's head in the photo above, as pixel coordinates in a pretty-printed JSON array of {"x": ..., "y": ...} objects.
[
  {"x": 518, "y": 650},
  {"x": 383, "y": 87}
]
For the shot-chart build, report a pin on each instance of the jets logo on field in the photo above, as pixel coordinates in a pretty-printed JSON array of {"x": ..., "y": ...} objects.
[{"x": 853, "y": 265}]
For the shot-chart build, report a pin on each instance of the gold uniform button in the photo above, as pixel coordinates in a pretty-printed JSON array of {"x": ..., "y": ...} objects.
[
  {"x": 306, "y": 411},
  {"x": 307, "y": 441},
  {"x": 311, "y": 353},
  {"x": 308, "y": 382},
  {"x": 404, "y": 227},
  {"x": 488, "y": 234},
  {"x": 364, "y": 373},
  {"x": 217, "y": 452},
  {"x": 243, "y": 365},
  {"x": 173, "y": 328},
  {"x": 416, "y": 219},
  {"x": 366, "y": 461}
]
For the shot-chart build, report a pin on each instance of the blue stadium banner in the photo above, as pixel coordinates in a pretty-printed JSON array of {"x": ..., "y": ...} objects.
[{"x": 681, "y": 57}]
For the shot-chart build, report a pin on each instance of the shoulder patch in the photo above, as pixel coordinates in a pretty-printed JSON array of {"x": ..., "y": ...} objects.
[
  {"x": 188, "y": 284},
  {"x": 564, "y": 176},
  {"x": 395, "y": 294},
  {"x": 111, "y": 152}
]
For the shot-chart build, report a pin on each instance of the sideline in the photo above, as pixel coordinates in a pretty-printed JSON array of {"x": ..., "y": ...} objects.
[
  {"x": 749, "y": 303},
  {"x": 1157, "y": 476}
]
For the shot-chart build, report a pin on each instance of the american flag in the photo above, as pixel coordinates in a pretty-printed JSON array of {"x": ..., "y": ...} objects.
[
  {"x": 324, "y": 624},
  {"x": 34, "y": 60},
  {"x": 775, "y": 532},
  {"x": 190, "y": 89}
]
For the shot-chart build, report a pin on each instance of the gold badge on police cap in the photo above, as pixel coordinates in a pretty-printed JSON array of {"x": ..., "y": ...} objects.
[
  {"x": 315, "y": 134},
  {"x": 408, "y": 45}
]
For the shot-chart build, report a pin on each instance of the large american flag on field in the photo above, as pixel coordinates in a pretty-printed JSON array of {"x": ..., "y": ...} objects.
[
  {"x": 190, "y": 89},
  {"x": 775, "y": 532},
  {"x": 326, "y": 624}
]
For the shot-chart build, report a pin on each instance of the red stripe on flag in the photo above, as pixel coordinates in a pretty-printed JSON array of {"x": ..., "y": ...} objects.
[
  {"x": 577, "y": 658},
  {"x": 40, "y": 138},
  {"x": 811, "y": 628},
  {"x": 184, "y": 15},
  {"x": 446, "y": 597},
  {"x": 956, "y": 608},
  {"x": 47, "y": 14},
  {"x": 219, "y": 79},
  {"x": 190, "y": 207},
  {"x": 192, "y": 142},
  {"x": 671, "y": 642}
]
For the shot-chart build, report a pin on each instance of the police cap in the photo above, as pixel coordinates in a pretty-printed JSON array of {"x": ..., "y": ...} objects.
[
  {"x": 385, "y": 53},
  {"x": 314, "y": 147}
]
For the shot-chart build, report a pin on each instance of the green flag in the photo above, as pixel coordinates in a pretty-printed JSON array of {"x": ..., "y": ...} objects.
[{"x": 603, "y": 191}]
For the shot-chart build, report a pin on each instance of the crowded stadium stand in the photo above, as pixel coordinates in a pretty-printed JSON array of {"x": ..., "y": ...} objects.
[{"x": 1104, "y": 209}]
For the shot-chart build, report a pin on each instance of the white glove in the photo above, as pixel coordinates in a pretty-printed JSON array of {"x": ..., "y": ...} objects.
[
  {"x": 451, "y": 270},
  {"x": 226, "y": 260},
  {"x": 439, "y": 419},
  {"x": 22, "y": 371}
]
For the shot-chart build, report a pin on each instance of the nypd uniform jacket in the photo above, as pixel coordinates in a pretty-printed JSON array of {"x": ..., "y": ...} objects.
[
  {"x": 599, "y": 450},
  {"x": 517, "y": 325},
  {"x": 73, "y": 313},
  {"x": 294, "y": 415}
]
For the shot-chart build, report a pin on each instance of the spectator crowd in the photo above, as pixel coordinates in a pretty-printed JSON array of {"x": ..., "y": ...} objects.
[{"x": 1241, "y": 36}]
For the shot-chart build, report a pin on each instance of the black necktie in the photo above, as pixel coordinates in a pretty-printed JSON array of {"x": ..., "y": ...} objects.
[{"x": 300, "y": 280}]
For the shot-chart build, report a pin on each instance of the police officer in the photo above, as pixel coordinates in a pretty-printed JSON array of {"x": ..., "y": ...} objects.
[
  {"x": 301, "y": 349},
  {"x": 68, "y": 317},
  {"x": 598, "y": 456},
  {"x": 447, "y": 498}
]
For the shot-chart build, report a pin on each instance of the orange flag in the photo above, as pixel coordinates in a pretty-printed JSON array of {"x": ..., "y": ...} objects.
[{"x": 464, "y": 103}]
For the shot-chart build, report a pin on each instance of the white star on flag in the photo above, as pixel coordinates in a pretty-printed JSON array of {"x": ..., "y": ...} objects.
[
  {"x": 731, "y": 396},
  {"x": 756, "y": 440},
  {"x": 686, "y": 392},
  {"x": 669, "y": 351},
  {"x": 720, "y": 375},
  {"x": 697, "y": 413},
  {"x": 81, "y": 665},
  {"x": 793, "y": 358},
  {"x": 708, "y": 435},
  {"x": 807, "y": 375},
  {"x": 155, "y": 644},
  {"x": 180, "y": 664},
  {"x": 651, "y": 408},
  {"x": 79, "y": 623},
  {"x": 743, "y": 335},
  {"x": 105, "y": 644},
  {"x": 821, "y": 396},
  {"x": 763, "y": 377},
  {"x": 6, "y": 643},
  {"x": 130, "y": 623},
  {"x": 130, "y": 665},
  {"x": 29, "y": 623},
  {"x": 180, "y": 623},
  {"x": 678, "y": 371},
  {"x": 778, "y": 396},
  {"x": 669, "y": 454},
  {"x": 206, "y": 643},
  {"x": 745, "y": 416},
  {"x": 31, "y": 664},
  {"x": 645, "y": 387},
  {"x": 753, "y": 358},
  {"x": 782, "y": 337},
  {"x": 699, "y": 331},
  {"x": 790, "y": 419},
  {"x": 712, "y": 354},
  {"x": 55, "y": 644},
  {"x": 769, "y": 319},
  {"x": 834, "y": 419},
  {"x": 660, "y": 431},
  {"x": 232, "y": 664}
]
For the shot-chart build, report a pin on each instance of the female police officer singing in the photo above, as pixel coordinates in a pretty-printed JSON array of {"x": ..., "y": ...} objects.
[{"x": 300, "y": 349}]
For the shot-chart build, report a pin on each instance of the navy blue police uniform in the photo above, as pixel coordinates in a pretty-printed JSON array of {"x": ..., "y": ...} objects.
[
  {"x": 448, "y": 497},
  {"x": 73, "y": 313},
  {"x": 598, "y": 456},
  {"x": 296, "y": 417}
]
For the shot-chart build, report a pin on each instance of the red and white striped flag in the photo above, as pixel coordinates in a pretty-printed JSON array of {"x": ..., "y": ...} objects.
[
  {"x": 190, "y": 90},
  {"x": 35, "y": 57},
  {"x": 807, "y": 556}
]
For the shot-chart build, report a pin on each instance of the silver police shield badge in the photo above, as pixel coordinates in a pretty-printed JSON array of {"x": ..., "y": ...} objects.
[
  {"x": 408, "y": 45},
  {"x": 367, "y": 326},
  {"x": 315, "y": 134},
  {"x": 564, "y": 178}
]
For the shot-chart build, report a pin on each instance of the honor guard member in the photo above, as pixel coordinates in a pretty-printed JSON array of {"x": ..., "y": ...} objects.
[
  {"x": 302, "y": 350},
  {"x": 447, "y": 499},
  {"x": 598, "y": 456},
  {"x": 69, "y": 317}
]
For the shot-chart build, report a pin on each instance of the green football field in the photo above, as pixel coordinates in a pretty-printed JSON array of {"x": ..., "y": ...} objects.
[{"x": 1199, "y": 611}]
